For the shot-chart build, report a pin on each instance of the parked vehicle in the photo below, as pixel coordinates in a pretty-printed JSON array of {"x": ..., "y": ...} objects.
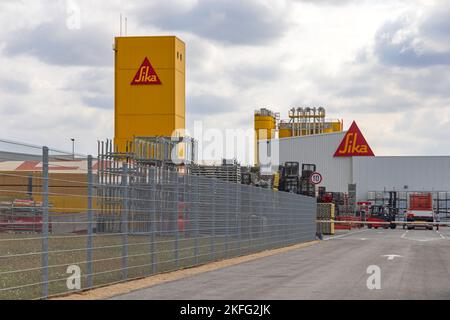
[
  {"x": 380, "y": 214},
  {"x": 420, "y": 212}
]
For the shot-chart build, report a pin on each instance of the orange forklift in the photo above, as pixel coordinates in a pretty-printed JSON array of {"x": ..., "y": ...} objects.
[{"x": 383, "y": 214}]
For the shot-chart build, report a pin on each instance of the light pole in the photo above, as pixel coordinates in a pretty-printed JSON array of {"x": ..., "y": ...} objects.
[{"x": 73, "y": 148}]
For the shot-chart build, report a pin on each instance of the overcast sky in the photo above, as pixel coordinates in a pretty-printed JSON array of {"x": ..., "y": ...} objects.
[{"x": 383, "y": 63}]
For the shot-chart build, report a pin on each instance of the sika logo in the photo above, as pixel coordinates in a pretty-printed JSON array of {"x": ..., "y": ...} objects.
[
  {"x": 354, "y": 144},
  {"x": 146, "y": 74}
]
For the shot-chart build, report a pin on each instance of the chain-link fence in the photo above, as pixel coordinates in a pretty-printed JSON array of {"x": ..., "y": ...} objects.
[{"x": 65, "y": 228}]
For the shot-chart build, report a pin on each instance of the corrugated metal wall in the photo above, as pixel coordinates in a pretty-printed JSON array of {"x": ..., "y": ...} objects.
[
  {"x": 418, "y": 173},
  {"x": 319, "y": 150}
]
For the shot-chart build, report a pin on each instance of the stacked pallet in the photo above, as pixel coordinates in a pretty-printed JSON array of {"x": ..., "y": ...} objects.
[
  {"x": 325, "y": 212},
  {"x": 225, "y": 172}
]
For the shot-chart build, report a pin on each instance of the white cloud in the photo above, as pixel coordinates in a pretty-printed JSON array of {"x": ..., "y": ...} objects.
[{"x": 369, "y": 61}]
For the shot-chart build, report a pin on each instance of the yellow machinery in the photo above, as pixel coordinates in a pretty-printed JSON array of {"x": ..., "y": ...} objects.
[
  {"x": 285, "y": 129},
  {"x": 265, "y": 126},
  {"x": 276, "y": 181},
  {"x": 149, "y": 88},
  {"x": 308, "y": 121}
]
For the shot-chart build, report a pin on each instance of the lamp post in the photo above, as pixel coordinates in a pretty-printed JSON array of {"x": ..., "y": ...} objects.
[{"x": 73, "y": 148}]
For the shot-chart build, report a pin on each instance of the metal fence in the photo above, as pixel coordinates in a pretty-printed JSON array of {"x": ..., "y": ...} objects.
[{"x": 63, "y": 230}]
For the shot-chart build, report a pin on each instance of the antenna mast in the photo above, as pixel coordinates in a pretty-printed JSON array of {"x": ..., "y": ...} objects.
[{"x": 120, "y": 24}]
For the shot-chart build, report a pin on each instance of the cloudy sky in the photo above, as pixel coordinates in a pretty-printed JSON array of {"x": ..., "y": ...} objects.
[{"x": 383, "y": 63}]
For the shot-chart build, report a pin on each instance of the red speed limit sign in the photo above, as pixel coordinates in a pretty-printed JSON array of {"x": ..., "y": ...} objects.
[{"x": 316, "y": 178}]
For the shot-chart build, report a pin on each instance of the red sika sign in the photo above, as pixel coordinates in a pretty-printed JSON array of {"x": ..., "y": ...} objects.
[
  {"x": 146, "y": 74},
  {"x": 354, "y": 144}
]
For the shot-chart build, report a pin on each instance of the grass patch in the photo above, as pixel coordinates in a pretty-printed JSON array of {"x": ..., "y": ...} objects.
[{"x": 142, "y": 261}]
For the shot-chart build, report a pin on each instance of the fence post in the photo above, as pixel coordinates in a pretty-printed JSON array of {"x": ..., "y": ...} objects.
[
  {"x": 90, "y": 218},
  {"x": 273, "y": 220},
  {"x": 124, "y": 222},
  {"x": 227, "y": 218},
  {"x": 239, "y": 216},
  {"x": 153, "y": 182},
  {"x": 286, "y": 219},
  {"x": 250, "y": 219},
  {"x": 177, "y": 216},
  {"x": 213, "y": 221},
  {"x": 260, "y": 219},
  {"x": 196, "y": 217},
  {"x": 45, "y": 222},
  {"x": 265, "y": 208}
]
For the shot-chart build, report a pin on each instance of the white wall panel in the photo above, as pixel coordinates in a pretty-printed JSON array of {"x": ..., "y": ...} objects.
[
  {"x": 319, "y": 150},
  {"x": 394, "y": 173},
  {"x": 418, "y": 173}
]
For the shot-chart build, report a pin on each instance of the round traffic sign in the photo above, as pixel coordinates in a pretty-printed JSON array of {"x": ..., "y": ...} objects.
[{"x": 316, "y": 178}]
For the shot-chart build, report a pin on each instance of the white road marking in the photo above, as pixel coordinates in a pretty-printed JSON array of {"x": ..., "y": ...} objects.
[
  {"x": 392, "y": 256},
  {"x": 423, "y": 239}
]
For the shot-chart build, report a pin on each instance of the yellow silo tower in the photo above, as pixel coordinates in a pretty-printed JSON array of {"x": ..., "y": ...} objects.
[
  {"x": 149, "y": 87},
  {"x": 265, "y": 126}
]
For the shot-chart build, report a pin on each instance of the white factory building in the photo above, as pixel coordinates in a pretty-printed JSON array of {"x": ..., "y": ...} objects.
[{"x": 369, "y": 173}]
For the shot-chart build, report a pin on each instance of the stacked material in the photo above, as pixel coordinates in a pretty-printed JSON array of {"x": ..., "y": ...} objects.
[
  {"x": 225, "y": 172},
  {"x": 325, "y": 211}
]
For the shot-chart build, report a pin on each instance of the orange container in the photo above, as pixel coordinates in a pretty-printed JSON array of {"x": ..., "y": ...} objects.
[{"x": 421, "y": 202}]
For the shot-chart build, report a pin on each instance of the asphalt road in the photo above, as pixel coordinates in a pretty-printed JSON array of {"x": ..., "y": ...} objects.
[{"x": 335, "y": 268}]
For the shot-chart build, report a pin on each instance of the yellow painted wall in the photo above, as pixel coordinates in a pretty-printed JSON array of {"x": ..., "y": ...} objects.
[
  {"x": 149, "y": 110},
  {"x": 67, "y": 192}
]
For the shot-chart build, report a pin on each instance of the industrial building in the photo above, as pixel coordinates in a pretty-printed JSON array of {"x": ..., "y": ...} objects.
[
  {"x": 345, "y": 158},
  {"x": 150, "y": 120}
]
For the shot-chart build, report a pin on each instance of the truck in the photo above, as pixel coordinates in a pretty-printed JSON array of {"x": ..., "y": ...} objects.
[{"x": 420, "y": 211}]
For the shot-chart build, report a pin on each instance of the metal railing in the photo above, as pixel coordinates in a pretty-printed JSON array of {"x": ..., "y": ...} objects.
[{"x": 85, "y": 233}]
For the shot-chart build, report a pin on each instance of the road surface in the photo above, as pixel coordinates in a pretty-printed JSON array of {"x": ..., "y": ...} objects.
[{"x": 413, "y": 264}]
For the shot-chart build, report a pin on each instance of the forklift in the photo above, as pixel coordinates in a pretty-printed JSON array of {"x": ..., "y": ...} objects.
[
  {"x": 288, "y": 178},
  {"x": 384, "y": 213},
  {"x": 306, "y": 187},
  {"x": 381, "y": 213},
  {"x": 324, "y": 196}
]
